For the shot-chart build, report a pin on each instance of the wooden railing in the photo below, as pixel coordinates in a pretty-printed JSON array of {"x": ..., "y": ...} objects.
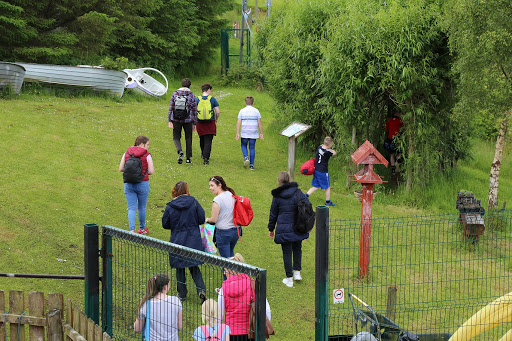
[{"x": 45, "y": 323}]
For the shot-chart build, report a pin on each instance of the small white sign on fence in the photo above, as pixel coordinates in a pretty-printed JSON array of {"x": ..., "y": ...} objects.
[{"x": 338, "y": 295}]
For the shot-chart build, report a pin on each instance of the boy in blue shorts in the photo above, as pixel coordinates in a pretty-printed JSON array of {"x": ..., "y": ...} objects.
[{"x": 321, "y": 176}]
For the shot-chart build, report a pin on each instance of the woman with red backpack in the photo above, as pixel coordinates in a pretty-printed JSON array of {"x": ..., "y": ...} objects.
[{"x": 226, "y": 234}]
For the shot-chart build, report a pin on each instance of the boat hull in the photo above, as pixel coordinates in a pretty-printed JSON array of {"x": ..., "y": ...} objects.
[
  {"x": 11, "y": 75},
  {"x": 93, "y": 78}
]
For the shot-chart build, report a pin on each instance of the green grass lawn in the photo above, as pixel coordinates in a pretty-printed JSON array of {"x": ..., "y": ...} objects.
[{"x": 60, "y": 167}]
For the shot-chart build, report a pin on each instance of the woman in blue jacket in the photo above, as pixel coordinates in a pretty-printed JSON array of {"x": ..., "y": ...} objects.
[
  {"x": 282, "y": 213},
  {"x": 183, "y": 215}
]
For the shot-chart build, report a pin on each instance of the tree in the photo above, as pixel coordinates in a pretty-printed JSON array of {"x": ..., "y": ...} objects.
[
  {"x": 341, "y": 65},
  {"x": 13, "y": 29},
  {"x": 167, "y": 34},
  {"x": 480, "y": 37}
]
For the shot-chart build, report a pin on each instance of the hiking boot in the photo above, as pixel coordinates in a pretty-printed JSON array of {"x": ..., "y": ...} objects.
[
  {"x": 246, "y": 162},
  {"x": 288, "y": 282},
  {"x": 329, "y": 203},
  {"x": 180, "y": 157},
  {"x": 251, "y": 167},
  {"x": 297, "y": 276},
  {"x": 189, "y": 161},
  {"x": 202, "y": 297}
]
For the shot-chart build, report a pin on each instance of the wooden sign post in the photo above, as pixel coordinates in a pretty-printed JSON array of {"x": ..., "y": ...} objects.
[{"x": 293, "y": 131}]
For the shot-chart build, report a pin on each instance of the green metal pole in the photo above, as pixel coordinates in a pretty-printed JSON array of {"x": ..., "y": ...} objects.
[
  {"x": 261, "y": 294},
  {"x": 91, "y": 272},
  {"x": 106, "y": 255},
  {"x": 322, "y": 274}
]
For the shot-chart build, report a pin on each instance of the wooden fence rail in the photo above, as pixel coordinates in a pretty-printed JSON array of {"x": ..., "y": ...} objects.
[{"x": 73, "y": 325}]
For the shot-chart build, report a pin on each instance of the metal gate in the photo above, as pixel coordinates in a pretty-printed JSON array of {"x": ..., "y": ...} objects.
[
  {"x": 424, "y": 275},
  {"x": 230, "y": 47}
]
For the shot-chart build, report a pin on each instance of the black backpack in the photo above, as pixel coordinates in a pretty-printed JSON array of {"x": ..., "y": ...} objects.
[
  {"x": 133, "y": 170},
  {"x": 305, "y": 216},
  {"x": 181, "y": 107}
]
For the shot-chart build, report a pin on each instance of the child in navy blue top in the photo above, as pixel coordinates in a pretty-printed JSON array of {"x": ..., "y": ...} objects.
[{"x": 321, "y": 176}]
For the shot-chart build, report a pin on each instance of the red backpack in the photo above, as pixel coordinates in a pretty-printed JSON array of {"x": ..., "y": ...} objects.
[
  {"x": 220, "y": 331},
  {"x": 242, "y": 212},
  {"x": 308, "y": 168}
]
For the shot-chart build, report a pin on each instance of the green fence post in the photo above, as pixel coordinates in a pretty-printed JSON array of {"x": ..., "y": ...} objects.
[
  {"x": 91, "y": 272},
  {"x": 261, "y": 306},
  {"x": 321, "y": 273},
  {"x": 106, "y": 255}
]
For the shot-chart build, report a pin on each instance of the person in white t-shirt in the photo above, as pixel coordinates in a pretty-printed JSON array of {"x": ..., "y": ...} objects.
[
  {"x": 249, "y": 119},
  {"x": 165, "y": 312}
]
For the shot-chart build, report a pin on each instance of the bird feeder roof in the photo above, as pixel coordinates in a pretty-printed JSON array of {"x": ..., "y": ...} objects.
[{"x": 367, "y": 154}]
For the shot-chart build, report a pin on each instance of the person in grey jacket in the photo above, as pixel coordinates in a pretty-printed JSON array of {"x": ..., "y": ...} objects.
[{"x": 282, "y": 214}]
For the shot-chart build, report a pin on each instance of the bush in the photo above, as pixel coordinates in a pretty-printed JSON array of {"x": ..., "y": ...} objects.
[
  {"x": 119, "y": 63},
  {"x": 244, "y": 76}
]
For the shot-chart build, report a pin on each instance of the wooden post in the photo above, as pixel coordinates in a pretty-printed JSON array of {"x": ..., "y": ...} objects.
[
  {"x": 98, "y": 333},
  {"x": 56, "y": 302},
  {"x": 2, "y": 311},
  {"x": 366, "y": 230},
  {"x": 69, "y": 315},
  {"x": 36, "y": 308},
  {"x": 292, "y": 146},
  {"x": 16, "y": 307},
  {"x": 83, "y": 324},
  {"x": 90, "y": 330},
  {"x": 54, "y": 323},
  {"x": 76, "y": 319},
  {"x": 391, "y": 304}
]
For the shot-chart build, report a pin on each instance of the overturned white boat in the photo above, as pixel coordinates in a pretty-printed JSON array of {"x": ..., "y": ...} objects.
[
  {"x": 143, "y": 83},
  {"x": 11, "y": 76},
  {"x": 89, "y": 77}
]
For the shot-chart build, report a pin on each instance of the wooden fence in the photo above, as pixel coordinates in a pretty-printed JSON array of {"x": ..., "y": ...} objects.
[{"x": 50, "y": 322}]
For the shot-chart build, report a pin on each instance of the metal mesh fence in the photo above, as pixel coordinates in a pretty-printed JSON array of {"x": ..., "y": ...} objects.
[
  {"x": 425, "y": 274},
  {"x": 134, "y": 258}
]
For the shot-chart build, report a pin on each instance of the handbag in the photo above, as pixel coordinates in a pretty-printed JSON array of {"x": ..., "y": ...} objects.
[
  {"x": 207, "y": 233},
  {"x": 145, "y": 330},
  {"x": 269, "y": 329}
]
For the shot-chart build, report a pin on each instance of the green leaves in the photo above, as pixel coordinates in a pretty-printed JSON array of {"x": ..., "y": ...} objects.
[
  {"x": 481, "y": 38},
  {"x": 166, "y": 34},
  {"x": 348, "y": 63}
]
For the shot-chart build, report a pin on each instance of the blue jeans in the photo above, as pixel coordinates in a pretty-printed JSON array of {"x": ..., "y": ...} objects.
[
  {"x": 252, "y": 150},
  {"x": 226, "y": 241},
  {"x": 136, "y": 197}
]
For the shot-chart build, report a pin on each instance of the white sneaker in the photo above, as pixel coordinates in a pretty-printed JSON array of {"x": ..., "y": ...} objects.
[
  {"x": 296, "y": 276},
  {"x": 288, "y": 281},
  {"x": 246, "y": 162}
]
